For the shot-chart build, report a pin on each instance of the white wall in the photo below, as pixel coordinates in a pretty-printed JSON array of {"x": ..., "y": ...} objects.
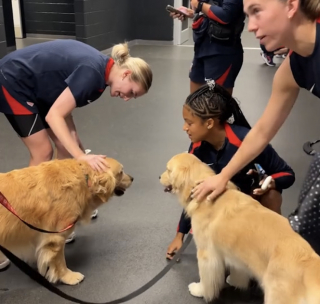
[{"x": 17, "y": 18}]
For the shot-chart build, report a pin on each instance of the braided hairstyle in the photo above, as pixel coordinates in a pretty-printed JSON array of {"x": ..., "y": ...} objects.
[{"x": 213, "y": 101}]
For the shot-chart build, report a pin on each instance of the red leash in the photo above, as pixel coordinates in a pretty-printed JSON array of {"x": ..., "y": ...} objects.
[{"x": 4, "y": 202}]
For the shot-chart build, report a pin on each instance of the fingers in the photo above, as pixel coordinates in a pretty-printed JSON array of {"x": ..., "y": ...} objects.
[
  {"x": 199, "y": 192},
  {"x": 170, "y": 255},
  {"x": 251, "y": 171},
  {"x": 177, "y": 16},
  {"x": 259, "y": 191},
  {"x": 98, "y": 162}
]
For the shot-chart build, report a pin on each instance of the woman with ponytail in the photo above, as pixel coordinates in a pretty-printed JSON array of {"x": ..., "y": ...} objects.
[
  {"x": 42, "y": 84},
  {"x": 216, "y": 127}
]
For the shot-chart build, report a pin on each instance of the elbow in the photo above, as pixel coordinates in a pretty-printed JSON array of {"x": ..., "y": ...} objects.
[
  {"x": 51, "y": 116},
  {"x": 285, "y": 182},
  {"x": 48, "y": 117}
]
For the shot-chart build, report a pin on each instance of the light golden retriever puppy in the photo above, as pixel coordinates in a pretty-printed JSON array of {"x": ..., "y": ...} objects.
[
  {"x": 237, "y": 232},
  {"x": 52, "y": 196}
]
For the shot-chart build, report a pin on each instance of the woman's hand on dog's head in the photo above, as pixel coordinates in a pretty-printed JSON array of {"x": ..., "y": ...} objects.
[{"x": 97, "y": 162}]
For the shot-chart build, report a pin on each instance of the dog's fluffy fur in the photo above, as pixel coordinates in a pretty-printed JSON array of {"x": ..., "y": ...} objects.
[
  {"x": 52, "y": 196},
  {"x": 237, "y": 232}
]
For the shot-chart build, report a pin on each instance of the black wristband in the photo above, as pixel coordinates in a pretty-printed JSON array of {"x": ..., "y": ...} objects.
[{"x": 199, "y": 8}]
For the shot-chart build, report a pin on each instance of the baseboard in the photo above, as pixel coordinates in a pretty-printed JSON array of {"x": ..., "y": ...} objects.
[
  {"x": 47, "y": 36},
  {"x": 142, "y": 42}
]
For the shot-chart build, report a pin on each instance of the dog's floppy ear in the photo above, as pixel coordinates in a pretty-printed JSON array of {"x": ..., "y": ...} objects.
[
  {"x": 104, "y": 185},
  {"x": 180, "y": 176}
]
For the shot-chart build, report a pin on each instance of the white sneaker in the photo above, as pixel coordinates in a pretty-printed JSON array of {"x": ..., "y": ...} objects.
[
  {"x": 71, "y": 238},
  {"x": 4, "y": 264},
  {"x": 94, "y": 214}
]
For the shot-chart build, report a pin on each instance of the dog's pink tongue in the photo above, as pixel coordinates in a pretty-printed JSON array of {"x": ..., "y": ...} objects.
[{"x": 168, "y": 189}]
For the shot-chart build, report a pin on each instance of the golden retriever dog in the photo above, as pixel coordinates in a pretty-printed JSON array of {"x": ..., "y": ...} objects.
[
  {"x": 51, "y": 196},
  {"x": 237, "y": 232}
]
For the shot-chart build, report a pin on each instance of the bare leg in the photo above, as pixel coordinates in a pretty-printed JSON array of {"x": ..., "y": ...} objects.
[
  {"x": 230, "y": 90},
  {"x": 39, "y": 147},
  {"x": 195, "y": 86},
  {"x": 61, "y": 152},
  {"x": 272, "y": 200}
]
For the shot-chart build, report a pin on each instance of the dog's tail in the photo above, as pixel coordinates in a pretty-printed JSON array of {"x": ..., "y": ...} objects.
[{"x": 312, "y": 281}]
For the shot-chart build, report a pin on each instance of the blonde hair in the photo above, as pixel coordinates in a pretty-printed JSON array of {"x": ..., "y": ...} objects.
[
  {"x": 140, "y": 70},
  {"x": 310, "y": 8}
]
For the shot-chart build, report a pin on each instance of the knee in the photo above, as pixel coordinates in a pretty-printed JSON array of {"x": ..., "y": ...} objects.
[{"x": 43, "y": 153}]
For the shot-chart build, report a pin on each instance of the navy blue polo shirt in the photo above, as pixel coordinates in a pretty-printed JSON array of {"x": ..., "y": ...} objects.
[
  {"x": 269, "y": 160},
  {"x": 38, "y": 74},
  {"x": 224, "y": 12},
  {"x": 306, "y": 70}
]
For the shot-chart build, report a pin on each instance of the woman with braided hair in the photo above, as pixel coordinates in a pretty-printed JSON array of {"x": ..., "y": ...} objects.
[{"x": 216, "y": 127}]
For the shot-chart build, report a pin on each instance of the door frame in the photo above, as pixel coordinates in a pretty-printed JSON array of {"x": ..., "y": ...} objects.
[{"x": 179, "y": 35}]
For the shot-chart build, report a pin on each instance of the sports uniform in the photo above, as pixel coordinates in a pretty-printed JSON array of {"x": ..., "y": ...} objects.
[
  {"x": 270, "y": 161},
  {"x": 217, "y": 59},
  {"x": 306, "y": 70},
  {"x": 305, "y": 219},
  {"x": 32, "y": 78}
]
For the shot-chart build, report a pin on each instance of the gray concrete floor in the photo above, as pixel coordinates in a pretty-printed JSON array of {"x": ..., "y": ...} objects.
[{"x": 125, "y": 247}]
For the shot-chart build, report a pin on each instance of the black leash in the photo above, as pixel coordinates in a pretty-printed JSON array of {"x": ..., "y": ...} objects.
[
  {"x": 4, "y": 202},
  {"x": 36, "y": 276}
]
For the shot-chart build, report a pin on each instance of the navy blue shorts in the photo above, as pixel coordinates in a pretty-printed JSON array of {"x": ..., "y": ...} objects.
[
  {"x": 223, "y": 69},
  {"x": 22, "y": 119}
]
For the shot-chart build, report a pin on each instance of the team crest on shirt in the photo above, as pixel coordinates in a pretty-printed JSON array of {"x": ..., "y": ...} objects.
[{"x": 29, "y": 103}]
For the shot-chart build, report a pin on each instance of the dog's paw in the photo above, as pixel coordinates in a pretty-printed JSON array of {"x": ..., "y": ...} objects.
[
  {"x": 196, "y": 289},
  {"x": 72, "y": 278},
  {"x": 237, "y": 280}
]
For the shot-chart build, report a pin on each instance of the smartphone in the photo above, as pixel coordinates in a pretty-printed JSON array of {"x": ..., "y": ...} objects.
[{"x": 171, "y": 9}]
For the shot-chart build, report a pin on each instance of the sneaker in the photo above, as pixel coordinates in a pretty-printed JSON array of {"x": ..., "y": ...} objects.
[
  {"x": 267, "y": 59},
  {"x": 71, "y": 238},
  {"x": 94, "y": 214},
  {"x": 4, "y": 264}
]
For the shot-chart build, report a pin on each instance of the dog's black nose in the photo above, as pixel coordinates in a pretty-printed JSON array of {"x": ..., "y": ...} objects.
[
  {"x": 159, "y": 177},
  {"x": 131, "y": 178}
]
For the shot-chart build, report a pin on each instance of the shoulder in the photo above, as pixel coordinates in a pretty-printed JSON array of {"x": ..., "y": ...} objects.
[
  {"x": 236, "y": 134},
  {"x": 195, "y": 147}
]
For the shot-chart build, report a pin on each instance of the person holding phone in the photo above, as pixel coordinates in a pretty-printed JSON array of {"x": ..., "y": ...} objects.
[
  {"x": 295, "y": 24},
  {"x": 219, "y": 59},
  {"x": 216, "y": 127}
]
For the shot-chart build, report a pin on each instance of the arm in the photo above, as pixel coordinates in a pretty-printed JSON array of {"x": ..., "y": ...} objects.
[
  {"x": 56, "y": 118},
  {"x": 184, "y": 225},
  {"x": 224, "y": 14},
  {"x": 277, "y": 168},
  {"x": 283, "y": 96}
]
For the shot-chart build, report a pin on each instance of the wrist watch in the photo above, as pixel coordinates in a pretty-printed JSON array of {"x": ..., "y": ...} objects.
[{"x": 199, "y": 7}]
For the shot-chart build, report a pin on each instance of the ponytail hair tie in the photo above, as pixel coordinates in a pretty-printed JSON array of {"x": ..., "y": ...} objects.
[
  {"x": 211, "y": 83},
  {"x": 230, "y": 120}
]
